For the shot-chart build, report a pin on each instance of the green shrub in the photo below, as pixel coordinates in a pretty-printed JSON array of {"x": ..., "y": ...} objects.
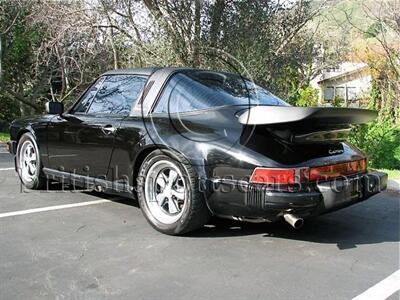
[
  {"x": 307, "y": 96},
  {"x": 337, "y": 101},
  {"x": 380, "y": 140}
]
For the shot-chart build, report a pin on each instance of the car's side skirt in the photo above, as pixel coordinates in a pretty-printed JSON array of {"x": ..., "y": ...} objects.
[{"x": 90, "y": 183}]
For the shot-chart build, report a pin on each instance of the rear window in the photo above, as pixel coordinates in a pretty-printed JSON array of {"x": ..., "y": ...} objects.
[{"x": 197, "y": 90}]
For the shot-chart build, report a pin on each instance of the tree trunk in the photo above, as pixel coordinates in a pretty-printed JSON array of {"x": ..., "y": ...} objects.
[
  {"x": 216, "y": 17},
  {"x": 1, "y": 57},
  {"x": 111, "y": 35},
  {"x": 197, "y": 34},
  {"x": 114, "y": 49}
]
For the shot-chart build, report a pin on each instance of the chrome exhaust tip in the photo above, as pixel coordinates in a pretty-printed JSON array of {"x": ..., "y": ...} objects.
[
  {"x": 293, "y": 220},
  {"x": 98, "y": 188}
]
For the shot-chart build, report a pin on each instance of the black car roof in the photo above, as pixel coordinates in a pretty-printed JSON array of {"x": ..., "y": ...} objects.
[
  {"x": 150, "y": 70},
  {"x": 145, "y": 71},
  {"x": 137, "y": 71}
]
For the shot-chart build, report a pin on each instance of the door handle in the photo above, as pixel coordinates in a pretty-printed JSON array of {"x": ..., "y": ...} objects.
[{"x": 108, "y": 129}]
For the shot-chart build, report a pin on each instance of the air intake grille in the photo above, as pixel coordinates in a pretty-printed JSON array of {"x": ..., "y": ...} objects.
[{"x": 255, "y": 196}]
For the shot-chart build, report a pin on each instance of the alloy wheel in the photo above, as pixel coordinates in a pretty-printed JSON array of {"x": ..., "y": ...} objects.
[
  {"x": 28, "y": 161},
  {"x": 165, "y": 192}
]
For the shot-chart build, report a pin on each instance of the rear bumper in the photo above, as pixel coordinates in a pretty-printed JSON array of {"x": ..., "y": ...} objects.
[{"x": 257, "y": 202}]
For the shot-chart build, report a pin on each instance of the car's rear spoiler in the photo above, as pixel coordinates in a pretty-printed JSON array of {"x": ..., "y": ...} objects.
[
  {"x": 306, "y": 124},
  {"x": 325, "y": 116}
]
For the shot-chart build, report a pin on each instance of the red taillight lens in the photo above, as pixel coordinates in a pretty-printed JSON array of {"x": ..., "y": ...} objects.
[
  {"x": 337, "y": 170},
  {"x": 273, "y": 176},
  {"x": 303, "y": 175}
]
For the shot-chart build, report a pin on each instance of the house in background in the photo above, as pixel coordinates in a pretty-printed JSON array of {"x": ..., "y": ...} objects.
[{"x": 349, "y": 81}]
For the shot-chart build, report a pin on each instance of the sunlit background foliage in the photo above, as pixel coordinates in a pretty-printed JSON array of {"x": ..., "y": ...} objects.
[{"x": 51, "y": 50}]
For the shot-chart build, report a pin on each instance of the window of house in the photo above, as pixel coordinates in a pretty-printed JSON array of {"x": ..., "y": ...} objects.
[
  {"x": 351, "y": 93},
  {"x": 329, "y": 93},
  {"x": 340, "y": 92}
]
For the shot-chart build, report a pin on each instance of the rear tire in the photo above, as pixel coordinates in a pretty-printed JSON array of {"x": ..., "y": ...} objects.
[
  {"x": 168, "y": 193},
  {"x": 28, "y": 163}
]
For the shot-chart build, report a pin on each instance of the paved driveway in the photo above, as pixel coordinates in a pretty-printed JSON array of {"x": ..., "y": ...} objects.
[{"x": 107, "y": 249}]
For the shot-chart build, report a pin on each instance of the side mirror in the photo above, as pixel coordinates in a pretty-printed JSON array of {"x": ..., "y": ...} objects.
[{"x": 54, "y": 108}]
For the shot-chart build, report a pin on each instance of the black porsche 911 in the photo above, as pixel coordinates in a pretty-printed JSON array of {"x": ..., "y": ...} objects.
[{"x": 189, "y": 144}]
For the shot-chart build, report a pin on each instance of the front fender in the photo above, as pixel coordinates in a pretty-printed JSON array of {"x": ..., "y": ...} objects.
[{"x": 37, "y": 126}]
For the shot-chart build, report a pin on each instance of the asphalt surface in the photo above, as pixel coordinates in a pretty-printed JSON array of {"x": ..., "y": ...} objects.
[{"x": 108, "y": 250}]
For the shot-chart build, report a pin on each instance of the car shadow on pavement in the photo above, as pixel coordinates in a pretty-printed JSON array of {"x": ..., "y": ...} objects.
[
  {"x": 343, "y": 232},
  {"x": 114, "y": 198},
  {"x": 365, "y": 223},
  {"x": 372, "y": 223}
]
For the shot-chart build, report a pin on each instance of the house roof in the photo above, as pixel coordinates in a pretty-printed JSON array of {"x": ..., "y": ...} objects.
[{"x": 345, "y": 74}]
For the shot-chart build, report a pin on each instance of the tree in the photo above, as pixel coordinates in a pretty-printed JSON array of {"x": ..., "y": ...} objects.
[
  {"x": 17, "y": 42},
  {"x": 53, "y": 49},
  {"x": 383, "y": 55}
]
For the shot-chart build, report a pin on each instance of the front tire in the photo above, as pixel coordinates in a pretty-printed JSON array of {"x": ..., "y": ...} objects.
[
  {"x": 168, "y": 193},
  {"x": 28, "y": 163}
]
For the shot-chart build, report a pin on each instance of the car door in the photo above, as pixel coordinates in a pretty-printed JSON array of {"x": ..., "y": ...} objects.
[{"x": 82, "y": 140}]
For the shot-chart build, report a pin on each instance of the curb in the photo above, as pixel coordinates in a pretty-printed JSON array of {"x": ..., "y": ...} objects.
[{"x": 393, "y": 185}]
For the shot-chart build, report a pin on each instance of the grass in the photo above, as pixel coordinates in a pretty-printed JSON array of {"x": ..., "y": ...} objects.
[
  {"x": 393, "y": 174},
  {"x": 4, "y": 137}
]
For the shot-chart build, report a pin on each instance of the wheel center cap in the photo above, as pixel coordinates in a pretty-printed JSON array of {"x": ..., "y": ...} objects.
[{"x": 167, "y": 191}]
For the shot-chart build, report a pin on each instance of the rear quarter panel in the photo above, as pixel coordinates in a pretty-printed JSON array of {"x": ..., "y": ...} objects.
[{"x": 219, "y": 146}]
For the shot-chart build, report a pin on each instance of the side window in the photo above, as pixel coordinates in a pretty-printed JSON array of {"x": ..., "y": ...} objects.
[
  {"x": 84, "y": 104},
  {"x": 117, "y": 94}
]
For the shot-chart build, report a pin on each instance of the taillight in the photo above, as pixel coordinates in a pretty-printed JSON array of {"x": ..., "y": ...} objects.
[
  {"x": 279, "y": 176},
  {"x": 337, "y": 170},
  {"x": 273, "y": 176},
  {"x": 292, "y": 176}
]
